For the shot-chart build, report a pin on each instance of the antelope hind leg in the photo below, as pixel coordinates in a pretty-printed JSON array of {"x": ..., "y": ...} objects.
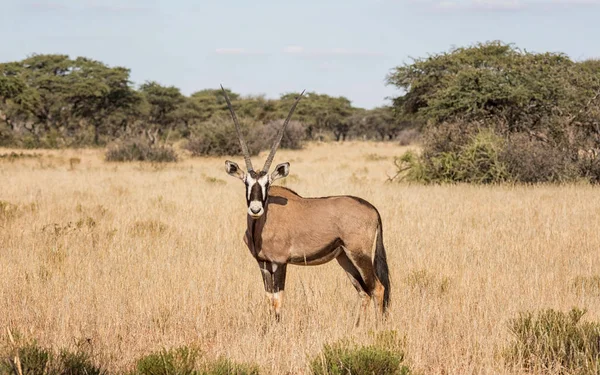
[{"x": 358, "y": 284}]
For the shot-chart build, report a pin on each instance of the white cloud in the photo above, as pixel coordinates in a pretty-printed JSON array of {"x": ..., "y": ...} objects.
[
  {"x": 293, "y": 49},
  {"x": 237, "y": 51},
  {"x": 329, "y": 52}
]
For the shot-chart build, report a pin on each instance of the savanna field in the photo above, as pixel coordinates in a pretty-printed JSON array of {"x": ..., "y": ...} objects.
[{"x": 123, "y": 259}]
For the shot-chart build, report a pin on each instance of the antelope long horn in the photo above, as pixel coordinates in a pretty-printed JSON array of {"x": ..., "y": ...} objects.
[
  {"x": 239, "y": 133},
  {"x": 279, "y": 136}
]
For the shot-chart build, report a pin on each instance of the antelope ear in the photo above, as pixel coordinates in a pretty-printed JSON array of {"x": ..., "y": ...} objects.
[
  {"x": 234, "y": 170},
  {"x": 281, "y": 171}
]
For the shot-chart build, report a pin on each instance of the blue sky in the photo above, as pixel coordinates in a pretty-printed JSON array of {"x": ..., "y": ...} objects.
[{"x": 272, "y": 47}]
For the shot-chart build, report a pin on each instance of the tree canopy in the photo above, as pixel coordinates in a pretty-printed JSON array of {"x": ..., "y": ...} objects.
[
  {"x": 527, "y": 116},
  {"x": 55, "y": 100}
]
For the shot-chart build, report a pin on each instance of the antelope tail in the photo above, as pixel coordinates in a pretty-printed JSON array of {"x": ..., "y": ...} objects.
[{"x": 381, "y": 266}]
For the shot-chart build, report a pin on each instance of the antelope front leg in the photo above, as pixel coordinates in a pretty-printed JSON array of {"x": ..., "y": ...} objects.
[{"x": 274, "y": 280}]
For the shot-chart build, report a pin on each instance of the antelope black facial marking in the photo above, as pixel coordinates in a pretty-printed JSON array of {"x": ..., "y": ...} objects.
[{"x": 257, "y": 186}]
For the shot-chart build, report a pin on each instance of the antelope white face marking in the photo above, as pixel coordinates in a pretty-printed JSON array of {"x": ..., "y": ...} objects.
[
  {"x": 264, "y": 182},
  {"x": 255, "y": 209},
  {"x": 249, "y": 183}
]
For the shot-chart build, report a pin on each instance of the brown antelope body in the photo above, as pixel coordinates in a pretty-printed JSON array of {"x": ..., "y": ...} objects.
[{"x": 285, "y": 228}]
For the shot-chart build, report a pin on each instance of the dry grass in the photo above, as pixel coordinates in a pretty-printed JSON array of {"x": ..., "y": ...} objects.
[{"x": 130, "y": 258}]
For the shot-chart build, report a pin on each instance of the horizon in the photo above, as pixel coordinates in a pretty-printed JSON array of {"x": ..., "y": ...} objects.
[{"x": 338, "y": 49}]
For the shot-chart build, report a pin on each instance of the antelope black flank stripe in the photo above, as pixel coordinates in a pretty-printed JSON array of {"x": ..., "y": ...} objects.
[{"x": 285, "y": 228}]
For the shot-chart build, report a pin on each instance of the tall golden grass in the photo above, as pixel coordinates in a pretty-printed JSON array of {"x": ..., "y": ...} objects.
[{"x": 130, "y": 258}]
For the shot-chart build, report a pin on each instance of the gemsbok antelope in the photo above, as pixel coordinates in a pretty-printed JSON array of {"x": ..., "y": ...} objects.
[{"x": 285, "y": 228}]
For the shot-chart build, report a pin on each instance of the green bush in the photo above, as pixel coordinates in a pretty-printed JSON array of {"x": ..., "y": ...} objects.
[
  {"x": 218, "y": 137},
  {"x": 590, "y": 168},
  {"x": 555, "y": 342},
  {"x": 530, "y": 160},
  {"x": 475, "y": 153},
  {"x": 31, "y": 359},
  {"x": 186, "y": 361},
  {"x": 478, "y": 160},
  {"x": 224, "y": 366},
  {"x": 140, "y": 150},
  {"x": 179, "y": 361},
  {"x": 78, "y": 363},
  {"x": 293, "y": 137},
  {"x": 384, "y": 357}
]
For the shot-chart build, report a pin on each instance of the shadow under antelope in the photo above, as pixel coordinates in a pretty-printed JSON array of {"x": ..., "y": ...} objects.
[{"x": 285, "y": 228}]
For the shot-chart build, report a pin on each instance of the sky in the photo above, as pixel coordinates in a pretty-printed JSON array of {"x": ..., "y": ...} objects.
[{"x": 271, "y": 47}]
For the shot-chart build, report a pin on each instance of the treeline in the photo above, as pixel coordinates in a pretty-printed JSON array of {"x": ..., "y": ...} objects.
[
  {"x": 496, "y": 113},
  {"x": 54, "y": 101}
]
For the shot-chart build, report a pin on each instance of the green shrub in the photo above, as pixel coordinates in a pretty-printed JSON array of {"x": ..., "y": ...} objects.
[
  {"x": 224, "y": 366},
  {"x": 218, "y": 137},
  {"x": 476, "y": 161},
  {"x": 384, "y": 357},
  {"x": 530, "y": 160},
  {"x": 186, "y": 361},
  {"x": 555, "y": 342},
  {"x": 29, "y": 360},
  {"x": 140, "y": 150},
  {"x": 483, "y": 153},
  {"x": 590, "y": 168},
  {"x": 179, "y": 361},
  {"x": 293, "y": 137},
  {"x": 78, "y": 363}
]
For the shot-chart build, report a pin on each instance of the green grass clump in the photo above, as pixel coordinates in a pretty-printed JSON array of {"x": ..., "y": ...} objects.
[
  {"x": 555, "y": 342},
  {"x": 189, "y": 361},
  {"x": 224, "y": 366},
  {"x": 78, "y": 363},
  {"x": 384, "y": 357},
  {"x": 32, "y": 359},
  {"x": 179, "y": 361}
]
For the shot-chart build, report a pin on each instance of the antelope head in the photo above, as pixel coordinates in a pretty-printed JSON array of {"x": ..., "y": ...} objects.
[{"x": 257, "y": 183}]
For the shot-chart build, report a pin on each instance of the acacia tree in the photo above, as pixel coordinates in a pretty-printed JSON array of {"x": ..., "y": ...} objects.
[
  {"x": 497, "y": 83},
  {"x": 15, "y": 96},
  {"x": 529, "y": 114},
  {"x": 380, "y": 123},
  {"x": 11, "y": 85},
  {"x": 45, "y": 77},
  {"x": 163, "y": 102},
  {"x": 98, "y": 92},
  {"x": 321, "y": 113},
  {"x": 56, "y": 92}
]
